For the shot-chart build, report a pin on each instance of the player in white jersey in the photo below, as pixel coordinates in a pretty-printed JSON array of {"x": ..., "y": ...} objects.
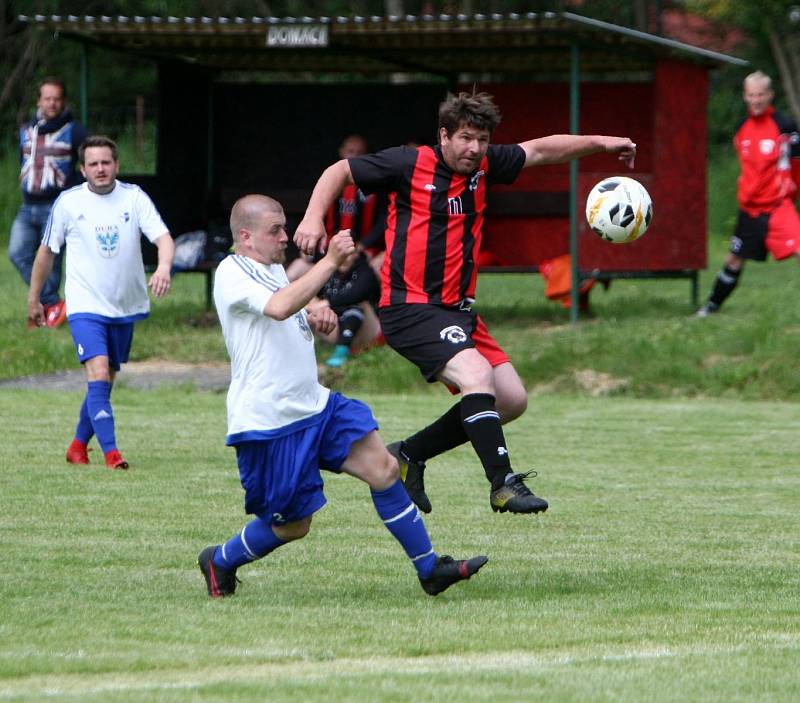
[
  {"x": 285, "y": 426},
  {"x": 101, "y": 223}
]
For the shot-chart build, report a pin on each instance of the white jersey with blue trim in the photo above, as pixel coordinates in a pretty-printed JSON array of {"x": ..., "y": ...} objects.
[
  {"x": 105, "y": 273},
  {"x": 274, "y": 380}
]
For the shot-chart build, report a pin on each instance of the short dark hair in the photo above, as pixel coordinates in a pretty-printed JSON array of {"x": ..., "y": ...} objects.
[
  {"x": 96, "y": 140},
  {"x": 53, "y": 80},
  {"x": 472, "y": 109}
]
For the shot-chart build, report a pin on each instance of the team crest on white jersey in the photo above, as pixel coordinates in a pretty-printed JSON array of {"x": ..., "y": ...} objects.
[
  {"x": 302, "y": 323},
  {"x": 453, "y": 334},
  {"x": 107, "y": 238}
]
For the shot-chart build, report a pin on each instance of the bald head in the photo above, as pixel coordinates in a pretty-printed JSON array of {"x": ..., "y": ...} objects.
[
  {"x": 258, "y": 226},
  {"x": 248, "y": 211}
]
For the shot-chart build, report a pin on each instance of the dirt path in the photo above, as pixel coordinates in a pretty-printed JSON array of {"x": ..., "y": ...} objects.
[{"x": 139, "y": 374}]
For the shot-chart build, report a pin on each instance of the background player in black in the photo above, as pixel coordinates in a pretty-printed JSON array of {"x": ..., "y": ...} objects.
[
  {"x": 437, "y": 202},
  {"x": 353, "y": 291}
]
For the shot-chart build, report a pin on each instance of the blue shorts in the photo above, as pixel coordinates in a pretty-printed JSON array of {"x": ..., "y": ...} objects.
[
  {"x": 281, "y": 476},
  {"x": 95, "y": 338}
]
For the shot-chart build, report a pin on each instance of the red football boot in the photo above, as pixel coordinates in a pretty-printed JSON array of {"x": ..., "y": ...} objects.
[
  {"x": 77, "y": 453},
  {"x": 114, "y": 460}
]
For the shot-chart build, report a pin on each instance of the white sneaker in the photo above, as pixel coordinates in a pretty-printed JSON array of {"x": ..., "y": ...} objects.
[{"x": 706, "y": 310}]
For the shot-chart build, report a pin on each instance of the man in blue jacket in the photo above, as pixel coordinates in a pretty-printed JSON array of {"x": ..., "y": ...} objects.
[{"x": 48, "y": 157}]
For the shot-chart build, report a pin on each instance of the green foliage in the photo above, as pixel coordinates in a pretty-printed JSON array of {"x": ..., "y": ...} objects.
[
  {"x": 758, "y": 21},
  {"x": 723, "y": 170},
  {"x": 725, "y": 105},
  {"x": 10, "y": 194},
  {"x": 665, "y": 569}
]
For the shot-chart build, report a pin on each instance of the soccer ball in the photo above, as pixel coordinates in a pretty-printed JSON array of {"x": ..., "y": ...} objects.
[{"x": 619, "y": 209}]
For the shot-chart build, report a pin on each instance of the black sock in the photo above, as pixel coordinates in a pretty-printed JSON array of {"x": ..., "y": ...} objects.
[
  {"x": 724, "y": 285},
  {"x": 440, "y": 436},
  {"x": 350, "y": 322},
  {"x": 482, "y": 425}
]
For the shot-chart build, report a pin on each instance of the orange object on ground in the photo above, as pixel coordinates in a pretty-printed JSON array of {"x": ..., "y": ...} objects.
[{"x": 557, "y": 273}]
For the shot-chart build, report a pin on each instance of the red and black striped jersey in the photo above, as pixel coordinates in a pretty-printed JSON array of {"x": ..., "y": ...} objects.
[
  {"x": 352, "y": 210},
  {"x": 767, "y": 146},
  {"x": 435, "y": 219}
]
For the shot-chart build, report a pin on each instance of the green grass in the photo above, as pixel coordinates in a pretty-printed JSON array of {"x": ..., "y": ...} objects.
[
  {"x": 642, "y": 336},
  {"x": 665, "y": 570}
]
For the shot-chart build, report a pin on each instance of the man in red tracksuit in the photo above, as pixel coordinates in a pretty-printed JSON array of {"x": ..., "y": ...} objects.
[{"x": 768, "y": 146}]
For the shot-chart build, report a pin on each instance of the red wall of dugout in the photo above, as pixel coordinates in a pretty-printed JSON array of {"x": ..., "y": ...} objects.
[{"x": 667, "y": 120}]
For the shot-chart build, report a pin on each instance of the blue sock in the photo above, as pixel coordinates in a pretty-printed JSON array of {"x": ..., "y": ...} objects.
[
  {"x": 255, "y": 541},
  {"x": 98, "y": 403},
  {"x": 403, "y": 520},
  {"x": 84, "y": 431}
]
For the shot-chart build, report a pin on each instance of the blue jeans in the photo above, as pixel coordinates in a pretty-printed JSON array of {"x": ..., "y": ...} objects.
[{"x": 26, "y": 236}]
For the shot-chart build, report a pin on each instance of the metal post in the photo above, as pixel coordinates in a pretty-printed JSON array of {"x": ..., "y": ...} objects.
[
  {"x": 210, "y": 138},
  {"x": 574, "y": 107},
  {"x": 140, "y": 132},
  {"x": 84, "y": 78}
]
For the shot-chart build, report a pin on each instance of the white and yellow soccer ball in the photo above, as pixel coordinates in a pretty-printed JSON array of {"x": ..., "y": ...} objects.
[{"x": 619, "y": 209}]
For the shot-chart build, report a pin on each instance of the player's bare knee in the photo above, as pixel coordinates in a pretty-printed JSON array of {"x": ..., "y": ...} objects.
[
  {"x": 292, "y": 531},
  {"x": 512, "y": 406},
  {"x": 390, "y": 469},
  {"x": 383, "y": 472},
  {"x": 479, "y": 380}
]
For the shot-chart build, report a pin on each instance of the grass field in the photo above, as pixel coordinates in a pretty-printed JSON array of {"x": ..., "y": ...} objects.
[{"x": 665, "y": 570}]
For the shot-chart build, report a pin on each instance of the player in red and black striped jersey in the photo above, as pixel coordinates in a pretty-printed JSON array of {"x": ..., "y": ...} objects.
[
  {"x": 437, "y": 202},
  {"x": 768, "y": 146}
]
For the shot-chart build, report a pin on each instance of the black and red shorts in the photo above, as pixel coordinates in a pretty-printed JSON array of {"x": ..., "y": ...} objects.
[
  {"x": 430, "y": 335},
  {"x": 776, "y": 232}
]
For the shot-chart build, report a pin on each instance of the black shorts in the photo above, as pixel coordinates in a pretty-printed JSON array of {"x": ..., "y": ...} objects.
[
  {"x": 750, "y": 236},
  {"x": 428, "y": 335}
]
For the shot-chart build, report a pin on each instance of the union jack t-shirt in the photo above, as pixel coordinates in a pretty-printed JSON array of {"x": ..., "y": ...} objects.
[{"x": 48, "y": 157}]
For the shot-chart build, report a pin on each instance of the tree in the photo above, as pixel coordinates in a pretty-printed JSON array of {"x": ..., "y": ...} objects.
[
  {"x": 774, "y": 30},
  {"x": 20, "y": 54}
]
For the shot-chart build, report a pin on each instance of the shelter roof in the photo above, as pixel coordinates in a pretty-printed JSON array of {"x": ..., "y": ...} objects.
[{"x": 512, "y": 44}]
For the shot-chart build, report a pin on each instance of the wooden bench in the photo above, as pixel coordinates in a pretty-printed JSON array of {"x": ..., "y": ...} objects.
[{"x": 522, "y": 204}]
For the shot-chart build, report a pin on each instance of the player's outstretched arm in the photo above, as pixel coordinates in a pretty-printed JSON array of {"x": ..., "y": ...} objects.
[
  {"x": 42, "y": 266},
  {"x": 311, "y": 231},
  {"x": 160, "y": 280},
  {"x": 558, "y": 148},
  {"x": 288, "y": 300}
]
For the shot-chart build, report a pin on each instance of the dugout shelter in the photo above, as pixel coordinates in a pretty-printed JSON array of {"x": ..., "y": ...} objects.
[{"x": 260, "y": 104}]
